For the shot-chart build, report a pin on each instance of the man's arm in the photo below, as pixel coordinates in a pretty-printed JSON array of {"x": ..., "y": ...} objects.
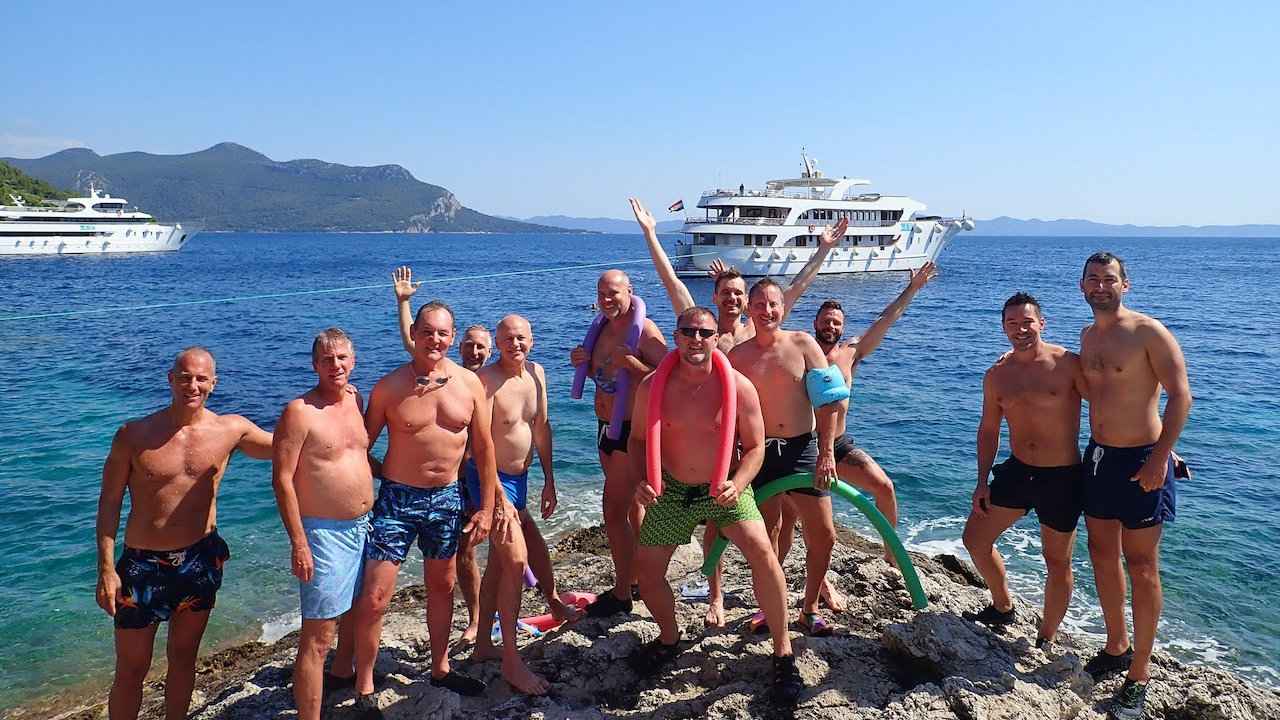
[
  {"x": 254, "y": 441},
  {"x": 288, "y": 439},
  {"x": 404, "y": 289},
  {"x": 831, "y": 236},
  {"x": 375, "y": 418},
  {"x": 115, "y": 479},
  {"x": 750, "y": 426},
  {"x": 653, "y": 348},
  {"x": 827, "y": 416},
  {"x": 874, "y": 335},
  {"x": 988, "y": 441},
  {"x": 542, "y": 441},
  {"x": 1170, "y": 369},
  {"x": 677, "y": 292},
  {"x": 486, "y": 465}
]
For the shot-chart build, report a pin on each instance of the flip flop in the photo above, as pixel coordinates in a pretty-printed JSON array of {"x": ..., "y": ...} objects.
[
  {"x": 757, "y": 624},
  {"x": 814, "y": 625}
]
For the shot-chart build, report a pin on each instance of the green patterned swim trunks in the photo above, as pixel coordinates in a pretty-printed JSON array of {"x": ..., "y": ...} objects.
[{"x": 681, "y": 507}]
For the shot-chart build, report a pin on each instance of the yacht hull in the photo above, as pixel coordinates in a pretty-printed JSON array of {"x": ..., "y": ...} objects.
[{"x": 91, "y": 238}]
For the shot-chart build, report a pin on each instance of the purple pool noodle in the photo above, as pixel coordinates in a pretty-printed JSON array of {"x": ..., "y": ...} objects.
[
  {"x": 623, "y": 382},
  {"x": 588, "y": 344},
  {"x": 529, "y": 579}
]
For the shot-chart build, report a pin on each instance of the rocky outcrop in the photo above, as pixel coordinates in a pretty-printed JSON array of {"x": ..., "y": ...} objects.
[{"x": 886, "y": 660}]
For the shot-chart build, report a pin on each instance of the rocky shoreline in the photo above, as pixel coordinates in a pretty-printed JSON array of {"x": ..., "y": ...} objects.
[{"x": 885, "y": 660}]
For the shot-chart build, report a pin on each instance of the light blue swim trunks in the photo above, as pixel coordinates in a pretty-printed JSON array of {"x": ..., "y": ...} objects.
[{"x": 337, "y": 549}]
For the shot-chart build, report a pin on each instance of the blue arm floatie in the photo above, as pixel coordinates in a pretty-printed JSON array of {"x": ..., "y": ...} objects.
[{"x": 825, "y": 386}]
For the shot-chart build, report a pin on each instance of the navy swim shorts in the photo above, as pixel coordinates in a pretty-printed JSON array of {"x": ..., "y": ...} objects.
[
  {"x": 1111, "y": 493},
  {"x": 403, "y": 512},
  {"x": 788, "y": 456},
  {"x": 156, "y": 584},
  {"x": 1055, "y": 493}
]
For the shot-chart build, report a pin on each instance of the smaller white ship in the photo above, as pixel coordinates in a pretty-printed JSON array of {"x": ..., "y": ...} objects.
[
  {"x": 93, "y": 225},
  {"x": 775, "y": 231}
]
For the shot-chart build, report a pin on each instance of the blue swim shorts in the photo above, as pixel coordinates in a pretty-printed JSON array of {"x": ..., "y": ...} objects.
[
  {"x": 1111, "y": 493},
  {"x": 337, "y": 549},
  {"x": 515, "y": 486},
  {"x": 402, "y": 512},
  {"x": 156, "y": 584}
]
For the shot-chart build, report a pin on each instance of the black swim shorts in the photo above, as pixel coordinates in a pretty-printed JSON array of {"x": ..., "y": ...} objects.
[
  {"x": 788, "y": 456},
  {"x": 845, "y": 448},
  {"x": 608, "y": 445},
  {"x": 1111, "y": 493},
  {"x": 155, "y": 584},
  {"x": 1055, "y": 493}
]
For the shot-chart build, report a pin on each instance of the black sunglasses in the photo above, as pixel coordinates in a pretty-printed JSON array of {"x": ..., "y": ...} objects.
[{"x": 689, "y": 332}]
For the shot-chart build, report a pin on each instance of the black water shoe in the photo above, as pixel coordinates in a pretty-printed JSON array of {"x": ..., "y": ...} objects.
[
  {"x": 607, "y": 605},
  {"x": 459, "y": 683},
  {"x": 336, "y": 682},
  {"x": 1130, "y": 702},
  {"x": 1104, "y": 663},
  {"x": 992, "y": 617},
  {"x": 787, "y": 683}
]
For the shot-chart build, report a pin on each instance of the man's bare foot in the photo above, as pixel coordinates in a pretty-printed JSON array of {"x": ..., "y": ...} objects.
[
  {"x": 832, "y": 597},
  {"x": 465, "y": 642},
  {"x": 485, "y": 651},
  {"x": 715, "y": 614},
  {"x": 889, "y": 558},
  {"x": 562, "y": 612},
  {"x": 521, "y": 678}
]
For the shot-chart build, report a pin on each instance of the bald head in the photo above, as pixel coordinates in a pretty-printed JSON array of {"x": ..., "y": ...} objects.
[
  {"x": 613, "y": 293},
  {"x": 194, "y": 353},
  {"x": 515, "y": 338},
  {"x": 512, "y": 323},
  {"x": 611, "y": 277}
]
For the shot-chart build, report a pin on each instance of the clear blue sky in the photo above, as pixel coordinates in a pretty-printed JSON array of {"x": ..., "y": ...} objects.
[{"x": 1152, "y": 115}]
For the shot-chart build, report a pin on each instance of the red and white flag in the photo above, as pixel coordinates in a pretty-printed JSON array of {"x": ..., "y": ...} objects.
[{"x": 676, "y": 206}]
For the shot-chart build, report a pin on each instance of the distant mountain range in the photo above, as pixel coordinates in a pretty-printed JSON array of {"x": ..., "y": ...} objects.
[
  {"x": 995, "y": 227},
  {"x": 602, "y": 224},
  {"x": 231, "y": 187}
]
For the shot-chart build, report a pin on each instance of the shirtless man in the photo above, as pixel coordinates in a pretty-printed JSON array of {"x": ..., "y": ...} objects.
[
  {"x": 1129, "y": 490},
  {"x": 611, "y": 356},
  {"x": 730, "y": 298},
  {"x": 324, "y": 489},
  {"x": 429, "y": 406},
  {"x": 791, "y": 373},
  {"x": 517, "y": 392},
  {"x": 1037, "y": 389},
  {"x": 171, "y": 463},
  {"x": 474, "y": 350},
  {"x": 691, "y": 421},
  {"x": 853, "y": 464}
]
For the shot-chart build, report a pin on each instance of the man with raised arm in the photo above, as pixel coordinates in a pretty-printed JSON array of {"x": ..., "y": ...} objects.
[
  {"x": 853, "y": 464},
  {"x": 1036, "y": 389},
  {"x": 692, "y": 415},
  {"x": 474, "y": 350},
  {"x": 730, "y": 298},
  {"x": 1129, "y": 490},
  {"x": 171, "y": 463},
  {"x": 607, "y": 361},
  {"x": 517, "y": 392},
  {"x": 324, "y": 490},
  {"x": 799, "y": 393},
  {"x": 730, "y": 293},
  {"x": 429, "y": 407}
]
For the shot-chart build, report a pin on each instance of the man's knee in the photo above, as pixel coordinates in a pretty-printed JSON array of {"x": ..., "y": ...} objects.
[
  {"x": 374, "y": 599},
  {"x": 1143, "y": 569},
  {"x": 317, "y": 637},
  {"x": 1103, "y": 547}
]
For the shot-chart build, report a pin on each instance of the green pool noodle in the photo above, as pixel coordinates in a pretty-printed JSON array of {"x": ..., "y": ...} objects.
[{"x": 860, "y": 501}]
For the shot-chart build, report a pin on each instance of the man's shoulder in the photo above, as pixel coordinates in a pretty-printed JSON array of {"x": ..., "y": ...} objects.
[{"x": 394, "y": 378}]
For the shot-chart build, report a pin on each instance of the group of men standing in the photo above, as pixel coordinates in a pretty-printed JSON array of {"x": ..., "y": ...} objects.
[{"x": 461, "y": 439}]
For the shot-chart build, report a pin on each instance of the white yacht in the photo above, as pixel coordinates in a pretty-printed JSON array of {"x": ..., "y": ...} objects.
[
  {"x": 89, "y": 225},
  {"x": 775, "y": 231}
]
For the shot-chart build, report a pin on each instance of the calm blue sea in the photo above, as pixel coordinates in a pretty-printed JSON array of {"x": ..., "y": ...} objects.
[{"x": 69, "y": 382}]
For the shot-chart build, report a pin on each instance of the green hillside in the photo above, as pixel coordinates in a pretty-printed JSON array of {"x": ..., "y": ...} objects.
[
  {"x": 231, "y": 187},
  {"x": 30, "y": 190}
]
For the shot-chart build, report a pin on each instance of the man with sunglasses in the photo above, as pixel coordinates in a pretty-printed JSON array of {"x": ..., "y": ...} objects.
[
  {"x": 691, "y": 420},
  {"x": 430, "y": 407}
]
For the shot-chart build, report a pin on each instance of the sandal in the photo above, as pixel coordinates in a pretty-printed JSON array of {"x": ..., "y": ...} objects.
[
  {"x": 814, "y": 625},
  {"x": 787, "y": 683},
  {"x": 758, "y": 625}
]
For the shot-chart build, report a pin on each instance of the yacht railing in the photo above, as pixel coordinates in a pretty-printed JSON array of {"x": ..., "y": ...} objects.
[{"x": 734, "y": 221}]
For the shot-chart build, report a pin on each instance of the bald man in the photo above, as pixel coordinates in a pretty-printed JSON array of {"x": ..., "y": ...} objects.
[
  {"x": 171, "y": 463},
  {"x": 609, "y": 358}
]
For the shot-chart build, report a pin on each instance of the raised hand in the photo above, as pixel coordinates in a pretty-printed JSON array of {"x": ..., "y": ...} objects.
[
  {"x": 833, "y": 234},
  {"x": 921, "y": 277},
  {"x": 644, "y": 217},
  {"x": 405, "y": 286},
  {"x": 718, "y": 268}
]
